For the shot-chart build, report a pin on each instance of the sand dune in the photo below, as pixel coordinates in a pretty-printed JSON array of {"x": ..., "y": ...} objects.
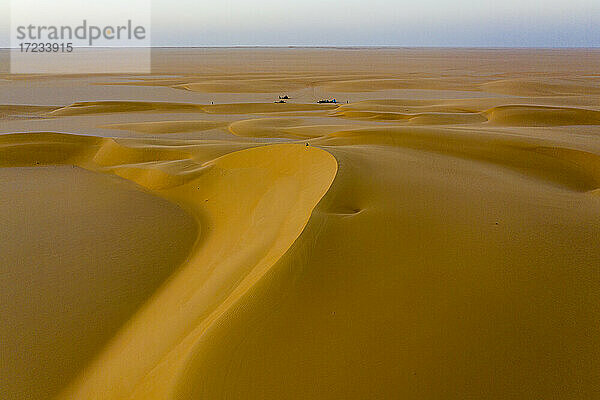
[
  {"x": 431, "y": 118},
  {"x": 106, "y": 107},
  {"x": 434, "y": 237},
  {"x": 368, "y": 85},
  {"x": 254, "y": 108},
  {"x": 244, "y": 86},
  {"x": 542, "y": 87},
  {"x": 289, "y": 128},
  {"x": 542, "y": 116},
  {"x": 461, "y": 112},
  {"x": 29, "y": 149},
  {"x": 513, "y": 115},
  {"x": 389, "y": 318},
  {"x": 158, "y": 127},
  {"x": 466, "y": 105}
]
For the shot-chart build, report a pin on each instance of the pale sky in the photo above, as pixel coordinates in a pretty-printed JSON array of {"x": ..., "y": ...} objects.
[{"x": 500, "y": 23}]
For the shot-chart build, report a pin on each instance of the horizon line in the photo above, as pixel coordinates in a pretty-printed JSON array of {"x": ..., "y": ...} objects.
[{"x": 330, "y": 47}]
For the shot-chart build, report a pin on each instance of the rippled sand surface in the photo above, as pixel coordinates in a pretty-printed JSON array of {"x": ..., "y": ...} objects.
[{"x": 179, "y": 235}]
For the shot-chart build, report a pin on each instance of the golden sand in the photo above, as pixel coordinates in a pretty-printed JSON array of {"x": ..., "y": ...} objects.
[{"x": 181, "y": 236}]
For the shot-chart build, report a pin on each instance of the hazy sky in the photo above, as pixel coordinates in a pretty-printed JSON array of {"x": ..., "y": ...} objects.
[{"x": 528, "y": 23}]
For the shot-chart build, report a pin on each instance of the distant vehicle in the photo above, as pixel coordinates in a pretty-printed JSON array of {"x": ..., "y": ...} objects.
[
  {"x": 286, "y": 97},
  {"x": 280, "y": 101},
  {"x": 327, "y": 101}
]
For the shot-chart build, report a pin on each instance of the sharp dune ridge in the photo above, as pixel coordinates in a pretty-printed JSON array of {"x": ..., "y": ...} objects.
[{"x": 432, "y": 235}]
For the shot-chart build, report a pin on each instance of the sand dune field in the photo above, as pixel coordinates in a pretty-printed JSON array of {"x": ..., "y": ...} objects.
[{"x": 434, "y": 234}]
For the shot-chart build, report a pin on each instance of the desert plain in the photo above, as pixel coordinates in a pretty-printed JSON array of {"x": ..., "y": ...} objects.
[{"x": 434, "y": 234}]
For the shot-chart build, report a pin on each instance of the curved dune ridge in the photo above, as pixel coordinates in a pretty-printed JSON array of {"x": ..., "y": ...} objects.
[{"x": 419, "y": 240}]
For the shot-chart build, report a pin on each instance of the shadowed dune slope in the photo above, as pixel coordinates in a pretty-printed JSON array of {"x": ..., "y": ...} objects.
[{"x": 81, "y": 252}]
